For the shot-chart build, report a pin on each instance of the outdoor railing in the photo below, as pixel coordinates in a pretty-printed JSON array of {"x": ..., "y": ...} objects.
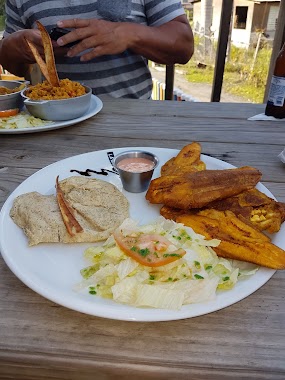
[
  {"x": 226, "y": 15},
  {"x": 221, "y": 52}
]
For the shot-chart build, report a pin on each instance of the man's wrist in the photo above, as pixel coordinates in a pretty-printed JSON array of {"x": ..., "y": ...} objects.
[{"x": 132, "y": 34}]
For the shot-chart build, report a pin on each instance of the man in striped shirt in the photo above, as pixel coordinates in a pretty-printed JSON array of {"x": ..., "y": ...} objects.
[{"x": 116, "y": 38}]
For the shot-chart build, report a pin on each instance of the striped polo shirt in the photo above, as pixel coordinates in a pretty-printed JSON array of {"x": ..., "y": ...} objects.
[{"x": 124, "y": 75}]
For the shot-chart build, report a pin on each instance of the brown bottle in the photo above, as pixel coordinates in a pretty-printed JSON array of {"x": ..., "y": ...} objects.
[{"x": 276, "y": 98}]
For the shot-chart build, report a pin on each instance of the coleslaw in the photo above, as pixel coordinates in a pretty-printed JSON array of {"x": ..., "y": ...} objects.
[
  {"x": 21, "y": 120},
  {"x": 193, "y": 277}
]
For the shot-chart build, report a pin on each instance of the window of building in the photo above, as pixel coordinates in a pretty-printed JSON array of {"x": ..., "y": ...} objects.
[{"x": 240, "y": 17}]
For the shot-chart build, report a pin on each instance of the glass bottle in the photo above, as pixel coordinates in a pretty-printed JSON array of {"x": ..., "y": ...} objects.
[{"x": 276, "y": 98}]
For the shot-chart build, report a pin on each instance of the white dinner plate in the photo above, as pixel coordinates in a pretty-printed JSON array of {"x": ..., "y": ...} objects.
[
  {"x": 52, "y": 270},
  {"x": 95, "y": 106}
]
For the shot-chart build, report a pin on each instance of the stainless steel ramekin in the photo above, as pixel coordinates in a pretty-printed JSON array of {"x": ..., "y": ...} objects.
[{"x": 135, "y": 182}]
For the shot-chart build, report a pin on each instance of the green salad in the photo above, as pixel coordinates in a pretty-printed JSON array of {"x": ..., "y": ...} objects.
[{"x": 160, "y": 265}]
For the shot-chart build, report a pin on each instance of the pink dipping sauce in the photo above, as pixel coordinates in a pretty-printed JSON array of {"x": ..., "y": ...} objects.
[{"x": 135, "y": 165}]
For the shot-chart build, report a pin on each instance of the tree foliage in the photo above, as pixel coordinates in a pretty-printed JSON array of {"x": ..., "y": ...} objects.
[{"x": 2, "y": 7}]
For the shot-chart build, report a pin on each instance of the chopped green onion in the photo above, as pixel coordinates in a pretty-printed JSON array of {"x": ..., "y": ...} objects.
[
  {"x": 144, "y": 252},
  {"x": 171, "y": 255},
  {"x": 92, "y": 290},
  {"x": 197, "y": 264}
]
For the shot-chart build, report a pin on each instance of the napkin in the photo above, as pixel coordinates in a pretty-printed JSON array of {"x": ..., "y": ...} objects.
[
  {"x": 262, "y": 116},
  {"x": 282, "y": 156}
]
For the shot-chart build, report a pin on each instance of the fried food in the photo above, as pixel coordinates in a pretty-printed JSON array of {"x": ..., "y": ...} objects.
[
  {"x": 251, "y": 206},
  {"x": 52, "y": 88},
  {"x": 262, "y": 211},
  {"x": 236, "y": 216},
  {"x": 239, "y": 240},
  {"x": 187, "y": 161},
  {"x": 173, "y": 213},
  {"x": 67, "y": 212},
  {"x": 47, "y": 67},
  {"x": 196, "y": 190},
  {"x": 98, "y": 207}
]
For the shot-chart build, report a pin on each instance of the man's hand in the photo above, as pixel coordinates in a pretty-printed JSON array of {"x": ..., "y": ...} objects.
[
  {"x": 99, "y": 37},
  {"x": 16, "y": 48},
  {"x": 169, "y": 43},
  {"x": 15, "y": 54}
]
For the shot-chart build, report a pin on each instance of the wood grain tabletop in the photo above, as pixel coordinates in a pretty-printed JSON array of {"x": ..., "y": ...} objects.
[{"x": 42, "y": 340}]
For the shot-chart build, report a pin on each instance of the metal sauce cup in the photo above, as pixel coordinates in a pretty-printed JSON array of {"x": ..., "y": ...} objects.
[{"x": 132, "y": 181}]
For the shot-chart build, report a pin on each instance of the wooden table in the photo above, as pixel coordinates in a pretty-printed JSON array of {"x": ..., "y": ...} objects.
[{"x": 41, "y": 340}]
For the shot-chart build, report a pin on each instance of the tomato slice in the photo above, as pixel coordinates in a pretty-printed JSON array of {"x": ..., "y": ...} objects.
[
  {"x": 152, "y": 250},
  {"x": 11, "y": 112}
]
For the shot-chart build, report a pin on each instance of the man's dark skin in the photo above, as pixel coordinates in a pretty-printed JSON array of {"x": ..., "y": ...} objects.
[{"x": 169, "y": 43}]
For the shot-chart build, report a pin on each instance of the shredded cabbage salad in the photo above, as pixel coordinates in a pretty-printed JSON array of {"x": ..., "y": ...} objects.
[
  {"x": 194, "y": 277},
  {"x": 21, "y": 120}
]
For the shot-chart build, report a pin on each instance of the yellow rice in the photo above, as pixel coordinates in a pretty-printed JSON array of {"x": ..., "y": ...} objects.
[{"x": 44, "y": 91}]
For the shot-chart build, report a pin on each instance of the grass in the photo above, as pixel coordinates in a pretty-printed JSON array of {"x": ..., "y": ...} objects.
[
  {"x": 2, "y": 23},
  {"x": 194, "y": 74},
  {"x": 234, "y": 85},
  {"x": 239, "y": 77}
]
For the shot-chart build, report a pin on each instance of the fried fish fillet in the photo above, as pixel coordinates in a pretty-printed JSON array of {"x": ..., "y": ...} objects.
[
  {"x": 196, "y": 190},
  {"x": 186, "y": 161},
  {"x": 98, "y": 206},
  {"x": 239, "y": 240},
  {"x": 252, "y": 206}
]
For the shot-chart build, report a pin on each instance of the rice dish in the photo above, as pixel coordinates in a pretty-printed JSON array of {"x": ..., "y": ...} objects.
[{"x": 45, "y": 91}]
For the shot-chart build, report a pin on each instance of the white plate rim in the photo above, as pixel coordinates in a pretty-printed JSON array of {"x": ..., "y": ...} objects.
[
  {"x": 95, "y": 107},
  {"x": 111, "y": 309}
]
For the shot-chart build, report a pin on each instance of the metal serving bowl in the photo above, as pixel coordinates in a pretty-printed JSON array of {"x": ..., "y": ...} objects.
[
  {"x": 135, "y": 182},
  {"x": 13, "y": 100},
  {"x": 61, "y": 109}
]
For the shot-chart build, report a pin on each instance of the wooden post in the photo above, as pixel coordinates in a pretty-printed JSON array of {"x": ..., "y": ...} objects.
[
  {"x": 256, "y": 51},
  {"x": 279, "y": 39},
  {"x": 226, "y": 14},
  {"x": 169, "y": 82}
]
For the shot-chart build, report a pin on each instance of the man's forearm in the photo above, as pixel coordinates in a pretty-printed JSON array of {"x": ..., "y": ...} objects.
[{"x": 170, "y": 43}]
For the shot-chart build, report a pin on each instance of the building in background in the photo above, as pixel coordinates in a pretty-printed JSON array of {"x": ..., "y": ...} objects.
[
  {"x": 187, "y": 4},
  {"x": 250, "y": 17}
]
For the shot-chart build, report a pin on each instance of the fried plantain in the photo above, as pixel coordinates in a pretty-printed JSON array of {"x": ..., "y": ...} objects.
[
  {"x": 262, "y": 211},
  {"x": 196, "y": 190},
  {"x": 186, "y": 161},
  {"x": 172, "y": 213},
  {"x": 239, "y": 240}
]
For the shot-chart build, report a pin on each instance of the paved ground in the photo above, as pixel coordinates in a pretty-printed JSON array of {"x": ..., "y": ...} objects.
[{"x": 199, "y": 91}]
